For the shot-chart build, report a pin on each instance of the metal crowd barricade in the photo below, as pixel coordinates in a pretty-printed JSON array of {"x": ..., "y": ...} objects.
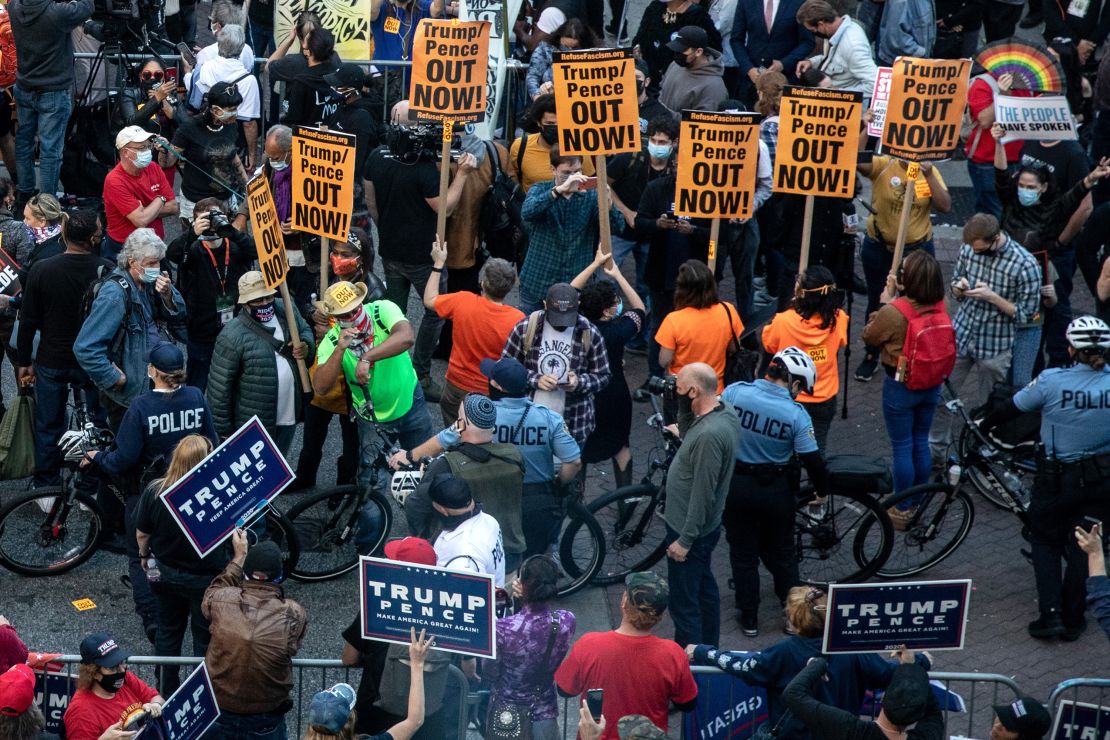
[
  {"x": 389, "y": 82},
  {"x": 309, "y": 676},
  {"x": 1070, "y": 695},
  {"x": 980, "y": 691}
]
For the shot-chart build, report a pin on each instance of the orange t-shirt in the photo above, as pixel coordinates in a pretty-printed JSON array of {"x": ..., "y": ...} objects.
[
  {"x": 480, "y": 328},
  {"x": 790, "y": 329},
  {"x": 700, "y": 335}
]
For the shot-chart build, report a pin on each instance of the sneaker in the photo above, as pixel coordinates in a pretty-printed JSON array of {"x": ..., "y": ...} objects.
[
  {"x": 1072, "y": 632},
  {"x": 900, "y": 518},
  {"x": 749, "y": 625},
  {"x": 867, "y": 368},
  {"x": 1049, "y": 625},
  {"x": 432, "y": 389}
]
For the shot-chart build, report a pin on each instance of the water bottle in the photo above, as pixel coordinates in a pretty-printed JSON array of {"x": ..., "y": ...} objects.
[
  {"x": 954, "y": 473},
  {"x": 152, "y": 573}
]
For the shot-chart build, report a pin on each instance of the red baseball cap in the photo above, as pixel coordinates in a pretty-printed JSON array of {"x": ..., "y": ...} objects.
[
  {"x": 17, "y": 690},
  {"x": 411, "y": 550}
]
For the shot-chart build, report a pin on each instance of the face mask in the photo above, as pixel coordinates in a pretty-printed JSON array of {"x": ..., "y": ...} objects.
[
  {"x": 820, "y": 34},
  {"x": 549, "y": 134},
  {"x": 112, "y": 682},
  {"x": 224, "y": 116},
  {"x": 278, "y": 164},
  {"x": 143, "y": 159},
  {"x": 343, "y": 265},
  {"x": 1028, "y": 196},
  {"x": 685, "y": 404},
  {"x": 620, "y": 308},
  {"x": 495, "y": 394},
  {"x": 262, "y": 314},
  {"x": 639, "y": 88},
  {"x": 336, "y": 96},
  {"x": 150, "y": 274},
  {"x": 660, "y": 151},
  {"x": 450, "y": 521},
  {"x": 353, "y": 322},
  {"x": 680, "y": 59}
]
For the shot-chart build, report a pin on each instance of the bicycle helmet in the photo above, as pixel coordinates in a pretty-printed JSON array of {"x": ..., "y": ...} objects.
[
  {"x": 800, "y": 366},
  {"x": 403, "y": 483},
  {"x": 1088, "y": 332},
  {"x": 72, "y": 446}
]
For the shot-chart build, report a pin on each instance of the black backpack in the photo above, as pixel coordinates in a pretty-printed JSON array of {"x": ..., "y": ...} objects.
[
  {"x": 500, "y": 224},
  {"x": 103, "y": 276}
]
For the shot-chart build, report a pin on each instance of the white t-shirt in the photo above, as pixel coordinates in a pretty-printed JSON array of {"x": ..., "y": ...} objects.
[
  {"x": 222, "y": 69},
  {"x": 474, "y": 545},
  {"x": 286, "y": 403},
  {"x": 550, "y": 20},
  {"x": 555, "y": 354},
  {"x": 211, "y": 52}
]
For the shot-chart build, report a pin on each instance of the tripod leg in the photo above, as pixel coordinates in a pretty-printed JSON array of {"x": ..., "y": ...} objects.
[{"x": 847, "y": 360}]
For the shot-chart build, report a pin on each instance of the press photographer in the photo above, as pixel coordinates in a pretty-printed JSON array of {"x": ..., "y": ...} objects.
[
  {"x": 210, "y": 260},
  {"x": 402, "y": 195}
]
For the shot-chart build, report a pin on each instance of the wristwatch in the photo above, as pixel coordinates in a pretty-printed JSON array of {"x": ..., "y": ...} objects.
[{"x": 163, "y": 199}]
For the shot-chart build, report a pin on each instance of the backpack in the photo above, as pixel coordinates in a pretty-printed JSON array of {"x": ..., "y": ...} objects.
[
  {"x": 393, "y": 687},
  {"x": 91, "y": 292},
  {"x": 9, "y": 61},
  {"x": 929, "y": 351},
  {"x": 495, "y": 473},
  {"x": 499, "y": 223}
]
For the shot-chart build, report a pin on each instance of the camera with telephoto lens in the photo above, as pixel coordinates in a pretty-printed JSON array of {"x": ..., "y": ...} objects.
[
  {"x": 422, "y": 142},
  {"x": 116, "y": 20},
  {"x": 667, "y": 388},
  {"x": 218, "y": 225}
]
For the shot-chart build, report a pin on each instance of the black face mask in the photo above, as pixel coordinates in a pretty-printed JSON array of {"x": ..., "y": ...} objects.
[
  {"x": 495, "y": 394},
  {"x": 680, "y": 59},
  {"x": 550, "y": 134},
  {"x": 639, "y": 87},
  {"x": 112, "y": 682},
  {"x": 451, "y": 521},
  {"x": 820, "y": 35},
  {"x": 685, "y": 403}
]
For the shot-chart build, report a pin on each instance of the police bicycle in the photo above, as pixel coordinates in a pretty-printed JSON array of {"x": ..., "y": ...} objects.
[
  {"x": 831, "y": 542},
  {"x": 940, "y": 514},
  {"x": 52, "y": 530}
]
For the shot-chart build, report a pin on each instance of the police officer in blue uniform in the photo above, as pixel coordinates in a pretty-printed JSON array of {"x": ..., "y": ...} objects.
[
  {"x": 1073, "y": 473},
  {"x": 541, "y": 436},
  {"x": 150, "y": 430},
  {"x": 776, "y": 433}
]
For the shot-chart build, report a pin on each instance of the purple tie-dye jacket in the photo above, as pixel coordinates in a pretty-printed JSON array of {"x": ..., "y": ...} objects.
[{"x": 521, "y": 643}]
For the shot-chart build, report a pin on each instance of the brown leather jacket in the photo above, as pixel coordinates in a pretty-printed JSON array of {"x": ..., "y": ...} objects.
[{"x": 256, "y": 632}]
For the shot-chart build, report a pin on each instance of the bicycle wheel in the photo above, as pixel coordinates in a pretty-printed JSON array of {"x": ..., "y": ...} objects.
[
  {"x": 843, "y": 540},
  {"x": 328, "y": 525},
  {"x": 631, "y": 519},
  {"x": 581, "y": 550},
  {"x": 42, "y": 535},
  {"x": 280, "y": 531},
  {"x": 996, "y": 475},
  {"x": 941, "y": 521}
]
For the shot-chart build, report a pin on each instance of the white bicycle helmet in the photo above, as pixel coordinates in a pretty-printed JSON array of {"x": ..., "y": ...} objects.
[
  {"x": 800, "y": 366},
  {"x": 72, "y": 445},
  {"x": 403, "y": 483},
  {"x": 1088, "y": 332}
]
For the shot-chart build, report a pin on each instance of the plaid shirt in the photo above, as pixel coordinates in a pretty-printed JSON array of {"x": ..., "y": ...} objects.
[
  {"x": 590, "y": 365},
  {"x": 562, "y": 236},
  {"x": 982, "y": 330}
]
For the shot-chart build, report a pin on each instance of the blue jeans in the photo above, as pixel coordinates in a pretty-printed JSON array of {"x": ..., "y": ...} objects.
[
  {"x": 530, "y": 303},
  {"x": 399, "y": 277},
  {"x": 44, "y": 114},
  {"x": 1027, "y": 346},
  {"x": 412, "y": 429},
  {"x": 639, "y": 250},
  {"x": 198, "y": 362},
  {"x": 261, "y": 38},
  {"x": 51, "y": 394},
  {"x": 263, "y": 726},
  {"x": 695, "y": 598},
  {"x": 1057, "y": 318},
  {"x": 982, "y": 182},
  {"x": 909, "y": 415},
  {"x": 877, "y": 259}
]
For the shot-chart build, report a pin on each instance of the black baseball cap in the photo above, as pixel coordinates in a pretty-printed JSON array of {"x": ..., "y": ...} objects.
[
  {"x": 450, "y": 492},
  {"x": 265, "y": 557},
  {"x": 561, "y": 305},
  {"x": 907, "y": 696},
  {"x": 1026, "y": 716},
  {"x": 101, "y": 648},
  {"x": 689, "y": 37},
  {"x": 348, "y": 75}
]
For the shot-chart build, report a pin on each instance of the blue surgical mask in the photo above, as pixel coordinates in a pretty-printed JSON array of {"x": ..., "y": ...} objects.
[
  {"x": 143, "y": 159},
  {"x": 660, "y": 151},
  {"x": 620, "y": 308},
  {"x": 278, "y": 164},
  {"x": 1028, "y": 196},
  {"x": 150, "y": 274}
]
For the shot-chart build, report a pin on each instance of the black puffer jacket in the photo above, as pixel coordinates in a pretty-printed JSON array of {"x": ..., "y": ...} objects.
[{"x": 242, "y": 381}]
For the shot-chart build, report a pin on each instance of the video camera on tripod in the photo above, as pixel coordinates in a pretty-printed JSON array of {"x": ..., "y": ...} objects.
[
  {"x": 421, "y": 142},
  {"x": 114, "y": 20}
]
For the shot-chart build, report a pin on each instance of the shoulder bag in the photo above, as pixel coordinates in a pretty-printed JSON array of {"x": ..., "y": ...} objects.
[{"x": 511, "y": 720}]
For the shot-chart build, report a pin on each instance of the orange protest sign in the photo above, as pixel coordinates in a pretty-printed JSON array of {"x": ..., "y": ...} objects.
[
  {"x": 268, "y": 240},
  {"x": 83, "y": 605},
  {"x": 718, "y": 154},
  {"x": 595, "y": 97},
  {"x": 923, "y": 116},
  {"x": 449, "y": 64},
  {"x": 818, "y": 138},
  {"x": 323, "y": 182}
]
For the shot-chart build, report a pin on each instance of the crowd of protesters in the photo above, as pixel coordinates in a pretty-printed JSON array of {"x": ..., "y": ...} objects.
[{"x": 145, "y": 295}]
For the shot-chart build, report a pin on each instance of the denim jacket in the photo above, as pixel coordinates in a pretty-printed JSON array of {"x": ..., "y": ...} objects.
[
  {"x": 94, "y": 342},
  {"x": 908, "y": 28}
]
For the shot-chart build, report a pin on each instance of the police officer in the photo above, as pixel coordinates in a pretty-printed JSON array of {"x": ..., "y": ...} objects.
[
  {"x": 1073, "y": 474},
  {"x": 541, "y": 436},
  {"x": 776, "y": 432},
  {"x": 150, "y": 430}
]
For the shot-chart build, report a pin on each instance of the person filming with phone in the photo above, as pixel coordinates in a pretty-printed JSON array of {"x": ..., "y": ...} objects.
[{"x": 1072, "y": 486}]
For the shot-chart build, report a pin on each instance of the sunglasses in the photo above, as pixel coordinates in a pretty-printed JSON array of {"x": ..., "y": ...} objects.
[{"x": 156, "y": 76}]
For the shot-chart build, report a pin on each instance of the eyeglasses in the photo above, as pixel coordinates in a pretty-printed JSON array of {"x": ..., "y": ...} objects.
[{"x": 147, "y": 76}]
